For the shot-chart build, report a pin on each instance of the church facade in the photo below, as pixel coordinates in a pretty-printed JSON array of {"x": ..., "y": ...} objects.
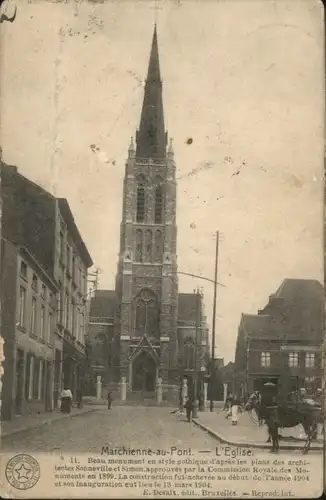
[{"x": 159, "y": 334}]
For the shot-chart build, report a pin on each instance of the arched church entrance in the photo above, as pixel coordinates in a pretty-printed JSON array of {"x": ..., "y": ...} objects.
[{"x": 144, "y": 373}]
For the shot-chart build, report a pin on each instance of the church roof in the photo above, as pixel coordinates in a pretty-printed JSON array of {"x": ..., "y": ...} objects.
[
  {"x": 151, "y": 136},
  {"x": 103, "y": 304},
  {"x": 187, "y": 307}
]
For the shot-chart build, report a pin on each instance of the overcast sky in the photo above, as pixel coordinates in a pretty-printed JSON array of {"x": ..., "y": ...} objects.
[{"x": 243, "y": 79}]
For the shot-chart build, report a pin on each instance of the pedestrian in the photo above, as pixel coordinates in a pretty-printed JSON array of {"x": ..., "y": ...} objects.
[
  {"x": 189, "y": 406},
  {"x": 66, "y": 400},
  {"x": 229, "y": 406},
  {"x": 109, "y": 400},
  {"x": 235, "y": 410},
  {"x": 79, "y": 398}
]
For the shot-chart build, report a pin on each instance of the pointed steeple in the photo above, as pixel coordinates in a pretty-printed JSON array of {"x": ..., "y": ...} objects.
[{"x": 151, "y": 136}]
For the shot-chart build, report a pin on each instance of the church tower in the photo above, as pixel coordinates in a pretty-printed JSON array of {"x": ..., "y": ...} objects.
[{"x": 146, "y": 283}]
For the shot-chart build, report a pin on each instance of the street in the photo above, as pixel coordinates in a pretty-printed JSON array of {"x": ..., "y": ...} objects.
[
  {"x": 121, "y": 426},
  {"x": 152, "y": 427},
  {"x": 132, "y": 427}
]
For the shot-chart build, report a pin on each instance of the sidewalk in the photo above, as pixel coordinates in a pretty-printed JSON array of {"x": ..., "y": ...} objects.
[
  {"x": 249, "y": 434},
  {"x": 22, "y": 423}
]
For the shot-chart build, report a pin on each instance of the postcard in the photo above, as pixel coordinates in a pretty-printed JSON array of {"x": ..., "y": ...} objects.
[{"x": 162, "y": 255}]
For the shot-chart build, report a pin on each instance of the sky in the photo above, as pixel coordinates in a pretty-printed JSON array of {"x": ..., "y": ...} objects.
[{"x": 243, "y": 80}]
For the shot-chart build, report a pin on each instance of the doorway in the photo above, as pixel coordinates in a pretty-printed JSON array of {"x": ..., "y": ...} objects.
[
  {"x": 19, "y": 381},
  {"x": 144, "y": 373}
]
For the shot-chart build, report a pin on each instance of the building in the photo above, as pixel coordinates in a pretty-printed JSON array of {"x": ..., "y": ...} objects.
[
  {"x": 154, "y": 330},
  {"x": 72, "y": 261},
  {"x": 283, "y": 343},
  {"x": 100, "y": 336},
  {"x": 28, "y": 324},
  {"x": 39, "y": 230}
]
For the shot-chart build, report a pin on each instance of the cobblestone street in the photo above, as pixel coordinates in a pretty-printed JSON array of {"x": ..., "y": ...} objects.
[{"x": 121, "y": 426}]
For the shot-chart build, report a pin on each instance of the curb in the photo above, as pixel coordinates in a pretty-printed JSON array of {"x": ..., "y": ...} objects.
[
  {"x": 261, "y": 446},
  {"x": 43, "y": 423}
]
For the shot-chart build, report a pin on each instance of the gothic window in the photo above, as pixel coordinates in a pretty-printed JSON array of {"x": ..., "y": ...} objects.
[
  {"x": 158, "y": 246},
  {"x": 140, "y": 317},
  {"x": 189, "y": 354},
  {"x": 147, "y": 314},
  {"x": 148, "y": 246},
  {"x": 141, "y": 199},
  {"x": 139, "y": 245},
  {"x": 152, "y": 318},
  {"x": 158, "y": 212}
]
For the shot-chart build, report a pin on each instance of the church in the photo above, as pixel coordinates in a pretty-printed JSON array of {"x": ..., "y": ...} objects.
[{"x": 146, "y": 332}]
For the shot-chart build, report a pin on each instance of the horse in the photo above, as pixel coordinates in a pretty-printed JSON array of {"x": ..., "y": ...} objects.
[{"x": 284, "y": 415}]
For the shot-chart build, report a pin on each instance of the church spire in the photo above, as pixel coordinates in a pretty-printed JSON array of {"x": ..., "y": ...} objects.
[{"x": 151, "y": 136}]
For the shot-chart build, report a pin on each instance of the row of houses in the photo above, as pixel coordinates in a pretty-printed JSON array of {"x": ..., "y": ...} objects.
[
  {"x": 44, "y": 264},
  {"x": 283, "y": 343}
]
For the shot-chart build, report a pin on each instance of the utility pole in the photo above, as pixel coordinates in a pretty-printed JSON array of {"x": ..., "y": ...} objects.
[
  {"x": 214, "y": 322},
  {"x": 198, "y": 302}
]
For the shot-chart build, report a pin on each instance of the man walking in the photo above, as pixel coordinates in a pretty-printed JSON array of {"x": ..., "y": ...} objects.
[
  {"x": 109, "y": 400},
  {"x": 189, "y": 406}
]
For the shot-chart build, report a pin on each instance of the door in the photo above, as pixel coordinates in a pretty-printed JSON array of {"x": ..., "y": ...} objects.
[{"x": 19, "y": 381}]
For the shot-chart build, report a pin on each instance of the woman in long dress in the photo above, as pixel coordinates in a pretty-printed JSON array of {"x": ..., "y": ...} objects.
[{"x": 66, "y": 400}]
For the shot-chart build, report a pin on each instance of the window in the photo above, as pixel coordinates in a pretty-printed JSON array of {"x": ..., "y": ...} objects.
[
  {"x": 73, "y": 268},
  {"x": 66, "y": 310},
  {"x": 265, "y": 359},
  {"x": 42, "y": 322},
  {"x": 147, "y": 314},
  {"x": 40, "y": 380},
  {"x": 59, "y": 305},
  {"x": 310, "y": 360},
  {"x": 28, "y": 375},
  {"x": 293, "y": 359},
  {"x": 33, "y": 315},
  {"x": 77, "y": 323},
  {"x": 22, "y": 306},
  {"x": 61, "y": 246},
  {"x": 189, "y": 354},
  {"x": 82, "y": 327},
  {"x": 148, "y": 246},
  {"x": 34, "y": 282},
  {"x": 49, "y": 335},
  {"x": 68, "y": 257},
  {"x": 140, "y": 215},
  {"x": 139, "y": 246},
  {"x": 73, "y": 318},
  {"x": 158, "y": 211},
  {"x": 158, "y": 254},
  {"x": 51, "y": 299},
  {"x": 43, "y": 291},
  {"x": 71, "y": 312},
  {"x": 23, "y": 270}
]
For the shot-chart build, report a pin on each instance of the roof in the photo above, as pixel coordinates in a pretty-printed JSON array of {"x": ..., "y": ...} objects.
[
  {"x": 294, "y": 312},
  {"x": 151, "y": 137},
  {"x": 103, "y": 304},
  {"x": 187, "y": 307},
  {"x": 300, "y": 290},
  {"x": 73, "y": 229},
  {"x": 256, "y": 326}
]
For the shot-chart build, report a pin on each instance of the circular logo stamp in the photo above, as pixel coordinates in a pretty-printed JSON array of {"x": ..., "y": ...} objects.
[{"x": 23, "y": 471}]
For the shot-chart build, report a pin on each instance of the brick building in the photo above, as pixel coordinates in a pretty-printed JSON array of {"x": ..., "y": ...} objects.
[
  {"x": 283, "y": 343},
  {"x": 154, "y": 326},
  {"x": 39, "y": 233}
]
